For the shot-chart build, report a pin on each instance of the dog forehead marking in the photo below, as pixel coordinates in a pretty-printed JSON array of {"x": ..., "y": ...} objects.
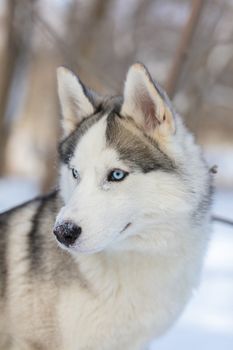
[
  {"x": 109, "y": 131},
  {"x": 69, "y": 144},
  {"x": 134, "y": 148},
  {"x": 92, "y": 145}
]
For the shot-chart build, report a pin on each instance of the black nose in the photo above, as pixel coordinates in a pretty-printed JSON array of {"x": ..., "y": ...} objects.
[{"x": 67, "y": 233}]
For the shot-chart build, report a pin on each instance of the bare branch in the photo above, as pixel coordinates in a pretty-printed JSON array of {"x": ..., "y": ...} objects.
[{"x": 183, "y": 47}]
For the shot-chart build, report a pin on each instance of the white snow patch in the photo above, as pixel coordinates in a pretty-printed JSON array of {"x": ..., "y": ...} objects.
[{"x": 14, "y": 191}]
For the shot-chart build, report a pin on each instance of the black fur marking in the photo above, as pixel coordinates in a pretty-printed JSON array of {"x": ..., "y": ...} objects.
[
  {"x": 36, "y": 240},
  {"x": 3, "y": 255},
  {"x": 67, "y": 147},
  {"x": 204, "y": 203},
  {"x": 5, "y": 217},
  {"x": 139, "y": 153}
]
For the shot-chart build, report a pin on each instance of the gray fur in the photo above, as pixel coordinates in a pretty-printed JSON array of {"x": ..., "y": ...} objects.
[
  {"x": 205, "y": 202},
  {"x": 3, "y": 254},
  {"x": 5, "y": 231},
  {"x": 68, "y": 145},
  {"x": 144, "y": 155},
  {"x": 36, "y": 239},
  {"x": 44, "y": 259},
  {"x": 139, "y": 153}
]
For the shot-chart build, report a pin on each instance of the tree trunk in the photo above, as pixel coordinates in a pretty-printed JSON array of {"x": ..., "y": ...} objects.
[
  {"x": 7, "y": 69},
  {"x": 183, "y": 47}
]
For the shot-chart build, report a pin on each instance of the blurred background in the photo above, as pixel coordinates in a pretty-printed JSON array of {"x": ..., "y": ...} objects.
[{"x": 187, "y": 46}]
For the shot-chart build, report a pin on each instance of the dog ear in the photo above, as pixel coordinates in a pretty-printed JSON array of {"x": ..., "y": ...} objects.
[
  {"x": 145, "y": 102},
  {"x": 75, "y": 100}
]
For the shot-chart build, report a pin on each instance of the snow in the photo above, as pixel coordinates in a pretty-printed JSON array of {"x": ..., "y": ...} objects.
[
  {"x": 14, "y": 191},
  {"x": 207, "y": 323}
]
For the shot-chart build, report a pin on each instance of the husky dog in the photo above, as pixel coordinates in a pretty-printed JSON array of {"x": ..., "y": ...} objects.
[{"x": 109, "y": 261}]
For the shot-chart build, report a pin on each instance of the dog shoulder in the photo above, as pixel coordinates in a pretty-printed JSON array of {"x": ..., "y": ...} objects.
[
  {"x": 28, "y": 209},
  {"x": 21, "y": 233}
]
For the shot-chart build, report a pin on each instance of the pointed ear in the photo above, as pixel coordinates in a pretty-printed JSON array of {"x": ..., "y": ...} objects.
[
  {"x": 74, "y": 100},
  {"x": 144, "y": 102}
]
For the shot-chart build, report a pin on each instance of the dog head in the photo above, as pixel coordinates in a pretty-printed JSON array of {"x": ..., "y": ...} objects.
[{"x": 120, "y": 163}]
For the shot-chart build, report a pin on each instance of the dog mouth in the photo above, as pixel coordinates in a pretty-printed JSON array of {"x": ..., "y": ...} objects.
[
  {"x": 125, "y": 228},
  {"x": 77, "y": 248}
]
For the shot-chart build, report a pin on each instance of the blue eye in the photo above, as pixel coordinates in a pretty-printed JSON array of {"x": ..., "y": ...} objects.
[
  {"x": 117, "y": 175},
  {"x": 75, "y": 173}
]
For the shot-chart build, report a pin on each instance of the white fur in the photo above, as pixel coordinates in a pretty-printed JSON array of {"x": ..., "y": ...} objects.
[
  {"x": 137, "y": 280},
  {"x": 140, "y": 279},
  {"x": 74, "y": 103},
  {"x": 95, "y": 204}
]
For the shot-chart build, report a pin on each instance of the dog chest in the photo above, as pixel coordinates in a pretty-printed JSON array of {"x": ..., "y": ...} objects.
[{"x": 125, "y": 305}]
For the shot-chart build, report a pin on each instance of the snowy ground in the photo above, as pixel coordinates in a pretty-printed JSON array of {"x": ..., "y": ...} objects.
[
  {"x": 207, "y": 323},
  {"x": 15, "y": 191}
]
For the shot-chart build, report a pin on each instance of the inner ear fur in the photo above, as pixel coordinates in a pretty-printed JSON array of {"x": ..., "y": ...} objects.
[
  {"x": 143, "y": 102},
  {"x": 75, "y": 100}
]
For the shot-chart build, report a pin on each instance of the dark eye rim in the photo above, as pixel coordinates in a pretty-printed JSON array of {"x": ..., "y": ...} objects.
[
  {"x": 75, "y": 173},
  {"x": 110, "y": 178}
]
